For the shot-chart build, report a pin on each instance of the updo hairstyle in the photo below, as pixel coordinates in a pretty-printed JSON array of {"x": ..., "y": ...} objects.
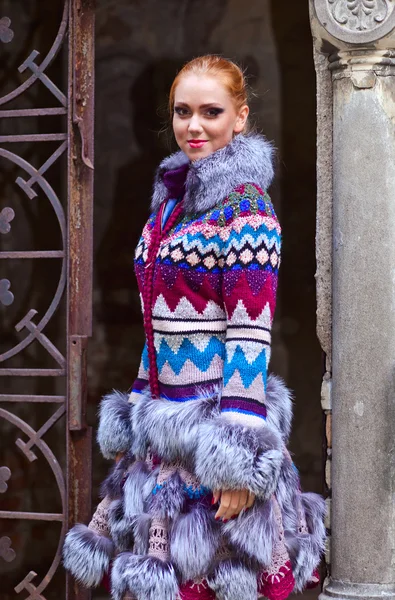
[{"x": 226, "y": 71}]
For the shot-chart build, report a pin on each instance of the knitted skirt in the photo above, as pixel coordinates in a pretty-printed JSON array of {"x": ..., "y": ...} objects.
[
  {"x": 155, "y": 528},
  {"x": 161, "y": 523}
]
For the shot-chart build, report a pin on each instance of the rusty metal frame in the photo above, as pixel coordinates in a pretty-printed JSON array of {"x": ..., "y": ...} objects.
[{"x": 75, "y": 279}]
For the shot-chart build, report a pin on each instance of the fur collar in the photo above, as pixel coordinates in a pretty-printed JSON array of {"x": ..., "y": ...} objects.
[{"x": 246, "y": 159}]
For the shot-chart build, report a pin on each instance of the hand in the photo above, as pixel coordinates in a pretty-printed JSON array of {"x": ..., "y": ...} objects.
[
  {"x": 232, "y": 502},
  {"x": 119, "y": 456}
]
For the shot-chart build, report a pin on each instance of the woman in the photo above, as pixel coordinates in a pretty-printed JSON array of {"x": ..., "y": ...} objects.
[{"x": 204, "y": 501}]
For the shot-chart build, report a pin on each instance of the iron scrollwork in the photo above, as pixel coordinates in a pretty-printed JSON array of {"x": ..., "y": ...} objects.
[
  {"x": 6, "y": 216},
  {"x": 34, "y": 323},
  {"x": 5, "y": 475},
  {"x": 6, "y": 550},
  {"x": 6, "y": 33},
  {"x": 6, "y": 296}
]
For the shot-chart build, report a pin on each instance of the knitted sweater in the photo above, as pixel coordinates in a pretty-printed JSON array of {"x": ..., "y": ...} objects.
[
  {"x": 203, "y": 414},
  {"x": 213, "y": 284}
]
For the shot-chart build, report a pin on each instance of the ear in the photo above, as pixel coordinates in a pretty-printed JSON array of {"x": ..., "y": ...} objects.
[{"x": 241, "y": 119}]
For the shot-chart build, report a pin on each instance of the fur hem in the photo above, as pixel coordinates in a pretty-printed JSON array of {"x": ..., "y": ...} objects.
[
  {"x": 246, "y": 159},
  {"x": 144, "y": 577},
  {"x": 170, "y": 428},
  {"x": 126, "y": 519},
  {"x": 114, "y": 434},
  {"x": 278, "y": 401},
  {"x": 233, "y": 581},
  {"x": 254, "y": 532},
  {"x": 309, "y": 547},
  {"x": 87, "y": 555},
  {"x": 170, "y": 500},
  {"x": 231, "y": 456},
  {"x": 112, "y": 485},
  {"x": 120, "y": 526},
  {"x": 194, "y": 540}
]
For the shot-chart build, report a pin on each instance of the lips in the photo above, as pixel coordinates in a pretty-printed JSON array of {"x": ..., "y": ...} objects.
[{"x": 197, "y": 143}]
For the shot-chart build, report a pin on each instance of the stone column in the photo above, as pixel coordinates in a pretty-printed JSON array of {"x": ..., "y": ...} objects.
[{"x": 357, "y": 310}]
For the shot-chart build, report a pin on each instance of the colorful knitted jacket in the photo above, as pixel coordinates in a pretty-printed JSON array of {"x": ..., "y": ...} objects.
[{"x": 203, "y": 413}]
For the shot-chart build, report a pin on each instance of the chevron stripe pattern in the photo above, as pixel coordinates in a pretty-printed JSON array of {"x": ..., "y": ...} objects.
[{"x": 214, "y": 295}]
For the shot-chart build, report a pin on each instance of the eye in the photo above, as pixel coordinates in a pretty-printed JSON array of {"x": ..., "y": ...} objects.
[
  {"x": 214, "y": 112},
  {"x": 181, "y": 111}
]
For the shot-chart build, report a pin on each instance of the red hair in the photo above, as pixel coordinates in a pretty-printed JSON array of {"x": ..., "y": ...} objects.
[{"x": 225, "y": 70}]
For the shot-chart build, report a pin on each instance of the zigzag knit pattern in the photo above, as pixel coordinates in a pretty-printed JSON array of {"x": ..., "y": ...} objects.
[{"x": 213, "y": 300}]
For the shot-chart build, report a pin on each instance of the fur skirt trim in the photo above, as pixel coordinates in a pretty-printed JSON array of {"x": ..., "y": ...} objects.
[
  {"x": 254, "y": 533},
  {"x": 87, "y": 555},
  {"x": 232, "y": 580},
  {"x": 194, "y": 539},
  {"x": 169, "y": 428},
  {"x": 115, "y": 425},
  {"x": 128, "y": 522},
  {"x": 231, "y": 456},
  {"x": 143, "y": 577},
  {"x": 112, "y": 485},
  {"x": 310, "y": 545},
  {"x": 278, "y": 401},
  {"x": 158, "y": 511}
]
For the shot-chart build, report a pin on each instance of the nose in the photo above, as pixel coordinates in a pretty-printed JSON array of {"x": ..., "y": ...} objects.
[{"x": 194, "y": 125}]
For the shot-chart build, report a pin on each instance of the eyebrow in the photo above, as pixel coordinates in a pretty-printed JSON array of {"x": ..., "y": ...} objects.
[{"x": 208, "y": 105}]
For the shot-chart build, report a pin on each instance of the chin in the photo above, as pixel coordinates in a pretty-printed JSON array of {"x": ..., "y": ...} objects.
[{"x": 197, "y": 153}]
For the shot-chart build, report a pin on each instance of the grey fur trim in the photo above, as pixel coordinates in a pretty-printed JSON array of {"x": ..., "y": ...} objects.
[
  {"x": 114, "y": 434},
  {"x": 120, "y": 526},
  {"x": 312, "y": 545},
  {"x": 87, "y": 555},
  {"x": 145, "y": 577},
  {"x": 112, "y": 485},
  {"x": 254, "y": 532},
  {"x": 287, "y": 495},
  {"x": 141, "y": 527},
  {"x": 231, "y": 456},
  {"x": 278, "y": 401},
  {"x": 194, "y": 540},
  {"x": 133, "y": 489},
  {"x": 170, "y": 428},
  {"x": 233, "y": 581},
  {"x": 246, "y": 159},
  {"x": 124, "y": 512},
  {"x": 150, "y": 484},
  {"x": 170, "y": 500}
]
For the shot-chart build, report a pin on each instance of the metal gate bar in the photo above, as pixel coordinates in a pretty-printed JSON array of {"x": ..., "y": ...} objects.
[{"x": 75, "y": 277}]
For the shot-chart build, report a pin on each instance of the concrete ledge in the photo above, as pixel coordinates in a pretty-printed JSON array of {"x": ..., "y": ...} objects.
[{"x": 351, "y": 591}]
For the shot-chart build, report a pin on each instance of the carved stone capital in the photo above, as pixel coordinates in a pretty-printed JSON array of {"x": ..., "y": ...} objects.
[
  {"x": 356, "y": 21},
  {"x": 362, "y": 66},
  {"x": 346, "y": 24}
]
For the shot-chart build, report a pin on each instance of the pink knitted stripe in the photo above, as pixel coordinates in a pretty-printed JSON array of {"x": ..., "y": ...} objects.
[
  {"x": 156, "y": 237},
  {"x": 278, "y": 586},
  {"x": 194, "y": 591}
]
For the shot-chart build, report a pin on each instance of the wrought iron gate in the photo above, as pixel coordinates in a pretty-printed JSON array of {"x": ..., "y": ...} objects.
[{"x": 65, "y": 363}]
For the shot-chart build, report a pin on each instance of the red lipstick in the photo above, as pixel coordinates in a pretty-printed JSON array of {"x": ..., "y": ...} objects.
[{"x": 196, "y": 143}]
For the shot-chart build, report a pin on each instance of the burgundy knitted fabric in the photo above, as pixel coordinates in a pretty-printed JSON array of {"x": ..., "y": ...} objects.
[
  {"x": 194, "y": 591},
  {"x": 157, "y": 234}
]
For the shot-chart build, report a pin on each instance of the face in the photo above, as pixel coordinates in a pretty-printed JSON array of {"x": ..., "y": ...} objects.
[{"x": 205, "y": 117}]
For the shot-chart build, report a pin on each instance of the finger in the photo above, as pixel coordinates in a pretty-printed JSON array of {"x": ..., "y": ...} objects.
[
  {"x": 242, "y": 499},
  {"x": 251, "y": 500},
  {"x": 224, "y": 504},
  {"x": 216, "y": 496},
  {"x": 233, "y": 509}
]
